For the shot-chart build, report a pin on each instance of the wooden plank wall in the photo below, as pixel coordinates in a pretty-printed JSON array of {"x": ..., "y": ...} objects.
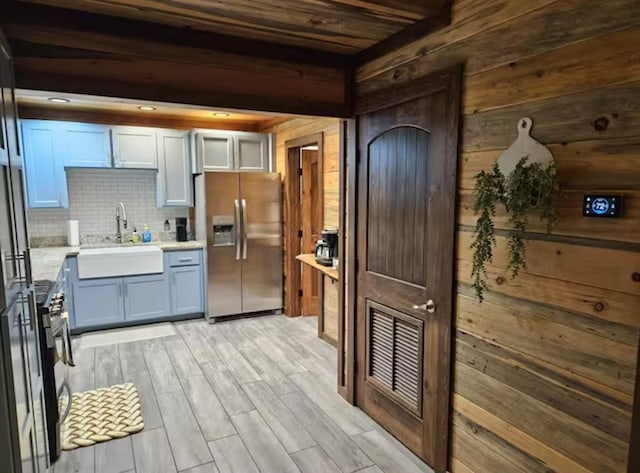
[
  {"x": 545, "y": 368},
  {"x": 299, "y": 128},
  {"x": 331, "y": 307}
]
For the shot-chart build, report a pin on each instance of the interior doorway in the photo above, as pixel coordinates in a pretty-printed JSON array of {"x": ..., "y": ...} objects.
[
  {"x": 406, "y": 193},
  {"x": 304, "y": 217}
]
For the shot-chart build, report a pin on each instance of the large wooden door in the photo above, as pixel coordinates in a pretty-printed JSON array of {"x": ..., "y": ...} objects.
[
  {"x": 406, "y": 203},
  {"x": 311, "y": 217}
]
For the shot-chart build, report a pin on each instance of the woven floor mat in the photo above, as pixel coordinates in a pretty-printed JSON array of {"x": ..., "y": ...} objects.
[{"x": 101, "y": 415}]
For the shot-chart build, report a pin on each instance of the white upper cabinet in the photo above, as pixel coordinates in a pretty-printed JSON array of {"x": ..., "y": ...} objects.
[
  {"x": 251, "y": 152},
  {"x": 175, "y": 181},
  {"x": 232, "y": 151},
  {"x": 86, "y": 145},
  {"x": 134, "y": 147},
  {"x": 50, "y": 146},
  {"x": 216, "y": 151},
  {"x": 45, "y": 176}
]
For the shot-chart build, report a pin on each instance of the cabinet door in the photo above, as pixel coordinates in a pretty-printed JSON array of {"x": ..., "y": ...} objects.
[
  {"x": 45, "y": 175},
  {"x": 134, "y": 147},
  {"x": 32, "y": 350},
  {"x": 175, "y": 182},
  {"x": 98, "y": 302},
  {"x": 16, "y": 255},
  {"x": 16, "y": 325},
  {"x": 251, "y": 152},
  {"x": 86, "y": 145},
  {"x": 146, "y": 297},
  {"x": 186, "y": 290},
  {"x": 5, "y": 99},
  {"x": 9, "y": 130},
  {"x": 215, "y": 150}
]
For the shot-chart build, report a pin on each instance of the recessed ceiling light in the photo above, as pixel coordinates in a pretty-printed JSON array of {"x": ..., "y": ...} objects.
[
  {"x": 147, "y": 107},
  {"x": 220, "y": 114},
  {"x": 58, "y": 100}
]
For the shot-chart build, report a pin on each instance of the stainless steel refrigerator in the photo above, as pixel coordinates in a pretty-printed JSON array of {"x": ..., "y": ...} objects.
[{"x": 244, "y": 243}]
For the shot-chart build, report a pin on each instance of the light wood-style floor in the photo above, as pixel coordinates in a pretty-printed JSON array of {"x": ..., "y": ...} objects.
[{"x": 253, "y": 395}]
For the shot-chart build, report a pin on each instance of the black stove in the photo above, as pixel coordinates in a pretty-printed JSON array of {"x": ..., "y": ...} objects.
[
  {"x": 56, "y": 354},
  {"x": 42, "y": 289}
]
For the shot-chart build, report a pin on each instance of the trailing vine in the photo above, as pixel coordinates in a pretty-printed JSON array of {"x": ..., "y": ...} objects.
[
  {"x": 529, "y": 187},
  {"x": 488, "y": 189}
]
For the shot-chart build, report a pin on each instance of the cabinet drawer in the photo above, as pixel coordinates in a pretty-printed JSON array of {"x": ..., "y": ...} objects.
[{"x": 184, "y": 258}]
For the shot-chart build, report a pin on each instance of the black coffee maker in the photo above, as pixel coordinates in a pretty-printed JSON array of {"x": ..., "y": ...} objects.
[
  {"x": 327, "y": 248},
  {"x": 181, "y": 229}
]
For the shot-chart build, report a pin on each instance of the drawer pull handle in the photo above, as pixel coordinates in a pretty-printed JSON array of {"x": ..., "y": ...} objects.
[{"x": 185, "y": 260}]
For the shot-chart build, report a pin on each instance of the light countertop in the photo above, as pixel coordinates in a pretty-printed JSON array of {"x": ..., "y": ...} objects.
[
  {"x": 46, "y": 261},
  {"x": 310, "y": 259}
]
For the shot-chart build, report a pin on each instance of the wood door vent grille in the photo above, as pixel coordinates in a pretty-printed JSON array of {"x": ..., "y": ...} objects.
[{"x": 395, "y": 355}]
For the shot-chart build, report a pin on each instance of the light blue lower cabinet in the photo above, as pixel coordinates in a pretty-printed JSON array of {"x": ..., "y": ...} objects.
[
  {"x": 146, "y": 297},
  {"x": 178, "y": 291},
  {"x": 186, "y": 290},
  {"x": 98, "y": 302}
]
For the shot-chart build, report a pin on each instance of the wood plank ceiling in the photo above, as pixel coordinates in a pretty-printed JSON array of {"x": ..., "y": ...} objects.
[
  {"x": 340, "y": 26},
  {"x": 290, "y": 56}
]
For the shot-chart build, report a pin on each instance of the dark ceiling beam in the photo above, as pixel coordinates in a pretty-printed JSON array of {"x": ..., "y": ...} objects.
[
  {"x": 435, "y": 19},
  {"x": 164, "y": 92},
  {"x": 18, "y": 12},
  {"x": 74, "y": 52},
  {"x": 120, "y": 117}
]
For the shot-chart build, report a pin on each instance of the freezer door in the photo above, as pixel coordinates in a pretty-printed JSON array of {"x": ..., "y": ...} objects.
[
  {"x": 260, "y": 198},
  {"x": 224, "y": 250}
]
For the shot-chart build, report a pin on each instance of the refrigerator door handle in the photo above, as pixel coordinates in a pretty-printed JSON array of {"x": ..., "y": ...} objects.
[
  {"x": 244, "y": 229},
  {"x": 238, "y": 230}
]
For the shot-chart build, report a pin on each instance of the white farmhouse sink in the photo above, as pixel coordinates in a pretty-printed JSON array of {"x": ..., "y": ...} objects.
[{"x": 119, "y": 261}]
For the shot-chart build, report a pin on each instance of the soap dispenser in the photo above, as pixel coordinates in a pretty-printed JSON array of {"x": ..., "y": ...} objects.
[{"x": 146, "y": 234}]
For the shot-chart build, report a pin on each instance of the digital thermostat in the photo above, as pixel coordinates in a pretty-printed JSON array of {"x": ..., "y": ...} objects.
[{"x": 605, "y": 206}]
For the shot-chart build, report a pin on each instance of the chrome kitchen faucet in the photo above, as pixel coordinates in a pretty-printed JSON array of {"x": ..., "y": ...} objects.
[{"x": 121, "y": 212}]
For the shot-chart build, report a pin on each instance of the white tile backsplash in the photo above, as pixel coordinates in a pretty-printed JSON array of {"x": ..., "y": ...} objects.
[{"x": 93, "y": 196}]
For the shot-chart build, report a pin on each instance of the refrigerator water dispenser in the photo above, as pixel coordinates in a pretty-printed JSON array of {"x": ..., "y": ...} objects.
[{"x": 224, "y": 233}]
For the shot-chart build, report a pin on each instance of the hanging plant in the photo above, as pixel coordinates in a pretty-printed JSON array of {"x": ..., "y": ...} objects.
[{"x": 527, "y": 187}]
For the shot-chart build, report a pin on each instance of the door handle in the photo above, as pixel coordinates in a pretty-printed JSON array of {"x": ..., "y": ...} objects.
[
  {"x": 26, "y": 256},
  {"x": 244, "y": 229},
  {"x": 31, "y": 300},
  {"x": 119, "y": 289},
  {"x": 66, "y": 387},
  {"x": 236, "y": 204},
  {"x": 430, "y": 307}
]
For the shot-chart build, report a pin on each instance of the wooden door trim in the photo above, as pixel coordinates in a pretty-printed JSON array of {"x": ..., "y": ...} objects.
[
  {"x": 634, "y": 441},
  {"x": 346, "y": 257},
  {"x": 292, "y": 216},
  {"x": 444, "y": 80},
  {"x": 448, "y": 81}
]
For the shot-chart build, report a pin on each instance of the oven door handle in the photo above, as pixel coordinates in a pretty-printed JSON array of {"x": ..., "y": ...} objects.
[{"x": 65, "y": 387}]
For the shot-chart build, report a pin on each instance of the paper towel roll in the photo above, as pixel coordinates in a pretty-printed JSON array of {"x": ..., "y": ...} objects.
[{"x": 73, "y": 233}]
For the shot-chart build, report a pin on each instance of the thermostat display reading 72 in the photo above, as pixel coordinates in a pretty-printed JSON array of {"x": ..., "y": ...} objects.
[{"x": 605, "y": 206}]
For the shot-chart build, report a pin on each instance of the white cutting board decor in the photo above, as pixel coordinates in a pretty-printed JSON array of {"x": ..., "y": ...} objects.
[{"x": 524, "y": 147}]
